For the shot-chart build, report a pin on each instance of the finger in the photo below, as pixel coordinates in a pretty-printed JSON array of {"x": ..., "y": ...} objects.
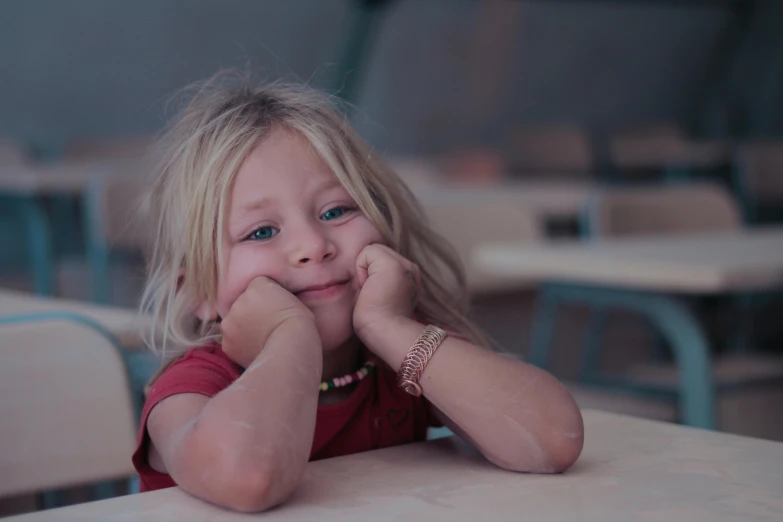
[
  {"x": 363, "y": 262},
  {"x": 416, "y": 275}
]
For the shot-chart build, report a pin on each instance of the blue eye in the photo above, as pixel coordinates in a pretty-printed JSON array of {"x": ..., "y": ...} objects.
[
  {"x": 262, "y": 233},
  {"x": 334, "y": 213}
]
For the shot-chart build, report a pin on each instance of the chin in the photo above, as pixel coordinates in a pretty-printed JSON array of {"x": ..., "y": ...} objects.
[{"x": 334, "y": 329}]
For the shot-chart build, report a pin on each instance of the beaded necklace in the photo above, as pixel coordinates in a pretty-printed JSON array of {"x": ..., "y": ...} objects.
[{"x": 356, "y": 376}]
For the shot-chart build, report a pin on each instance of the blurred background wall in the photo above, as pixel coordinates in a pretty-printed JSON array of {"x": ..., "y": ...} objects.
[{"x": 87, "y": 68}]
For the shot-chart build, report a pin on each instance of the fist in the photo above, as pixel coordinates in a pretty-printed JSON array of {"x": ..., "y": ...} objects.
[
  {"x": 388, "y": 287},
  {"x": 262, "y": 308}
]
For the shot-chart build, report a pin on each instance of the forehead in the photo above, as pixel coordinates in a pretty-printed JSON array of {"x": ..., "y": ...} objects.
[{"x": 284, "y": 164}]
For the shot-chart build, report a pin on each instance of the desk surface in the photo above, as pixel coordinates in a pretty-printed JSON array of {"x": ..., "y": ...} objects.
[
  {"x": 549, "y": 199},
  {"x": 631, "y": 469},
  {"x": 737, "y": 261},
  {"x": 62, "y": 178},
  {"x": 123, "y": 323}
]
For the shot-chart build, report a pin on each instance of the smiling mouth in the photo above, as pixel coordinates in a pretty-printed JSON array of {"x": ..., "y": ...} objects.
[{"x": 323, "y": 291}]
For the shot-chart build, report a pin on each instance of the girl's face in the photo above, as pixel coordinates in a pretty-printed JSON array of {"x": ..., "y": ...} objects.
[{"x": 289, "y": 219}]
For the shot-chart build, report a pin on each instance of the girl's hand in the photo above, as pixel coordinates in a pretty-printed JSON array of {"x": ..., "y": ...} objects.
[
  {"x": 255, "y": 315},
  {"x": 389, "y": 285}
]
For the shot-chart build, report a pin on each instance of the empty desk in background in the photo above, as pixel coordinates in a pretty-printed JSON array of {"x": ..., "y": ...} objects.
[
  {"x": 630, "y": 469},
  {"x": 548, "y": 200},
  {"x": 646, "y": 276},
  {"x": 26, "y": 186}
]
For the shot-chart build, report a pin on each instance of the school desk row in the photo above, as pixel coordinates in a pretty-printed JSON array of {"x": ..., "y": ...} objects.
[
  {"x": 630, "y": 469},
  {"x": 651, "y": 276},
  {"x": 648, "y": 276},
  {"x": 109, "y": 194}
]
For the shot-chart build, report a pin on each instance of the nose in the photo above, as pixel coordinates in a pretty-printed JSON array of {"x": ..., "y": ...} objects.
[{"x": 310, "y": 244}]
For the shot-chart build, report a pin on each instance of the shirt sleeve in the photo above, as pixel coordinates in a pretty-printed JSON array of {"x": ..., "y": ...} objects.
[{"x": 203, "y": 371}]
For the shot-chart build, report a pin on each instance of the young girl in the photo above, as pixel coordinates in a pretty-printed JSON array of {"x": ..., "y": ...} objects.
[{"x": 323, "y": 316}]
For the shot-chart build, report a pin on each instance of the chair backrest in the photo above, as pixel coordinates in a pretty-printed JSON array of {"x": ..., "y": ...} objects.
[
  {"x": 468, "y": 224},
  {"x": 551, "y": 150},
  {"x": 760, "y": 166},
  {"x": 116, "y": 208},
  {"x": 659, "y": 146},
  {"x": 417, "y": 172},
  {"x": 662, "y": 210},
  {"x": 12, "y": 153},
  {"x": 66, "y": 410},
  {"x": 132, "y": 148}
]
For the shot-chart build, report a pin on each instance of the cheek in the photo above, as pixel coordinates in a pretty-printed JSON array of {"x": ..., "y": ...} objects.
[
  {"x": 242, "y": 267},
  {"x": 364, "y": 234}
]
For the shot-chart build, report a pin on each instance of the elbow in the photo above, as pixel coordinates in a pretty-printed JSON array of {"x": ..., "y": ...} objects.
[
  {"x": 550, "y": 450},
  {"x": 236, "y": 481},
  {"x": 563, "y": 451},
  {"x": 554, "y": 456},
  {"x": 254, "y": 490},
  {"x": 565, "y": 442}
]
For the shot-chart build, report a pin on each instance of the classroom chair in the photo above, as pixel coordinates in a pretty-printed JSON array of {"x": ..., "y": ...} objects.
[
  {"x": 115, "y": 224},
  {"x": 68, "y": 414},
  {"x": 636, "y": 212},
  {"x": 13, "y": 153},
  {"x": 665, "y": 151},
  {"x": 550, "y": 151},
  {"x": 27, "y": 220},
  {"x": 758, "y": 174},
  {"x": 93, "y": 150},
  {"x": 658, "y": 210},
  {"x": 417, "y": 172},
  {"x": 465, "y": 225}
]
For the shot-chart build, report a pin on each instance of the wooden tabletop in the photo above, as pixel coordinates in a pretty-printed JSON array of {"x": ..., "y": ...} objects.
[
  {"x": 549, "y": 199},
  {"x": 631, "y": 469},
  {"x": 124, "y": 323},
  {"x": 645, "y": 153},
  {"x": 61, "y": 178},
  {"x": 736, "y": 261}
]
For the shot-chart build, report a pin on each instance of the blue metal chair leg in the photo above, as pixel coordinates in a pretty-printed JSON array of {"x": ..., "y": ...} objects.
[
  {"x": 39, "y": 237},
  {"x": 98, "y": 252},
  {"x": 593, "y": 344},
  {"x": 543, "y": 327},
  {"x": 671, "y": 317},
  {"x": 692, "y": 354}
]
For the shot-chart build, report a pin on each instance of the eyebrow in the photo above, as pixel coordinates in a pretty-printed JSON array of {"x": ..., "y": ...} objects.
[
  {"x": 327, "y": 185},
  {"x": 262, "y": 203},
  {"x": 256, "y": 204}
]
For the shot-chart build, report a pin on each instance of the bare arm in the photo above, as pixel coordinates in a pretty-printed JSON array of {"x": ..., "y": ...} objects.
[
  {"x": 520, "y": 417},
  {"x": 246, "y": 447}
]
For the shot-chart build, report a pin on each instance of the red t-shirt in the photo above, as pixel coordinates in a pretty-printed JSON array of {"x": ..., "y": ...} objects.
[{"x": 377, "y": 414}]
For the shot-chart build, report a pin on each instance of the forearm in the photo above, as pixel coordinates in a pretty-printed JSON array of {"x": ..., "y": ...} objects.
[
  {"x": 518, "y": 416},
  {"x": 261, "y": 427}
]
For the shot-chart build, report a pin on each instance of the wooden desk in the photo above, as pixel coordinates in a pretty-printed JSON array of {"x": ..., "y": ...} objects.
[
  {"x": 47, "y": 180},
  {"x": 548, "y": 199},
  {"x": 730, "y": 262},
  {"x": 26, "y": 185},
  {"x": 630, "y": 469},
  {"x": 646, "y": 276},
  {"x": 124, "y": 324}
]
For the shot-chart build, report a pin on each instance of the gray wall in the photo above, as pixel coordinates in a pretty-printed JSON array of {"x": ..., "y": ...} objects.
[{"x": 444, "y": 72}]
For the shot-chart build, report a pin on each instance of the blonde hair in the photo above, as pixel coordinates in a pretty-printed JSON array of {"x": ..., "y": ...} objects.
[{"x": 200, "y": 156}]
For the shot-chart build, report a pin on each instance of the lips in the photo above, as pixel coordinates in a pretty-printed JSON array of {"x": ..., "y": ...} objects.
[{"x": 322, "y": 290}]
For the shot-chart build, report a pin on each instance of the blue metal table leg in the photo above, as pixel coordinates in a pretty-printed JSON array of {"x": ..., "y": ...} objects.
[
  {"x": 39, "y": 237},
  {"x": 594, "y": 339},
  {"x": 692, "y": 355},
  {"x": 673, "y": 319},
  {"x": 97, "y": 248},
  {"x": 543, "y": 327}
]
